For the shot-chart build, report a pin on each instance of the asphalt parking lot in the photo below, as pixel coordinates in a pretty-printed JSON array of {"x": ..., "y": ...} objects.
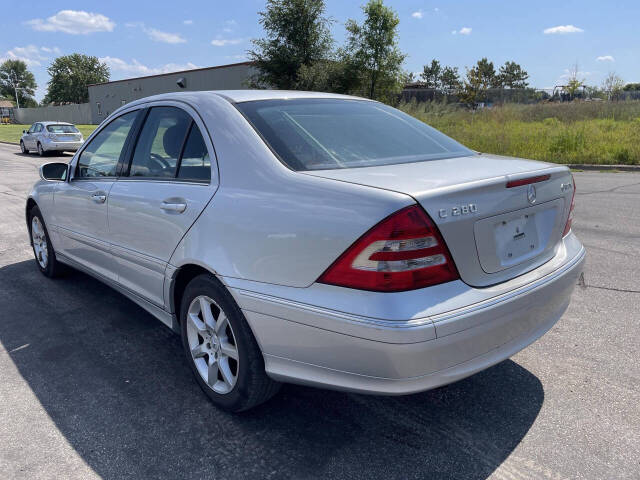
[{"x": 92, "y": 386}]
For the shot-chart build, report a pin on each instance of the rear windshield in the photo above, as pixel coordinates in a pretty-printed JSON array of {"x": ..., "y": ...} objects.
[
  {"x": 319, "y": 134},
  {"x": 62, "y": 129}
]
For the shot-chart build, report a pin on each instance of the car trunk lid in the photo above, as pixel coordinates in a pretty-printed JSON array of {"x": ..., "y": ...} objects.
[{"x": 494, "y": 233}]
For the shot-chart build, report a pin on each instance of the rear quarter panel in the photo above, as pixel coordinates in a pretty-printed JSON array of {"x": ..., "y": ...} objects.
[{"x": 269, "y": 224}]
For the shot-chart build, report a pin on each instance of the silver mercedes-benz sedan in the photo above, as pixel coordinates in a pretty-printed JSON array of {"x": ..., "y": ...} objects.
[
  {"x": 312, "y": 238},
  {"x": 44, "y": 137}
]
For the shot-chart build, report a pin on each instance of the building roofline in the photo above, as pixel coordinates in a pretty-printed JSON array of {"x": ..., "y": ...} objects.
[{"x": 172, "y": 73}]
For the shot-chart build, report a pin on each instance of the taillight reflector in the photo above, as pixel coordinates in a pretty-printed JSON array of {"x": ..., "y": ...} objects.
[
  {"x": 405, "y": 251},
  {"x": 527, "y": 181}
]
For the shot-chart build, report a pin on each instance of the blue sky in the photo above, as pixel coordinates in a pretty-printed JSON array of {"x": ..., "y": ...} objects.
[{"x": 142, "y": 37}]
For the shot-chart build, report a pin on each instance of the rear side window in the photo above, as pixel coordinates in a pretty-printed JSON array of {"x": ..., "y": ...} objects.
[
  {"x": 160, "y": 143},
  {"x": 101, "y": 155},
  {"x": 170, "y": 145},
  {"x": 195, "y": 163}
]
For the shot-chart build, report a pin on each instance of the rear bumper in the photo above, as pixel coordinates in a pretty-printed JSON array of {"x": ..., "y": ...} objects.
[
  {"x": 316, "y": 346},
  {"x": 61, "y": 146}
]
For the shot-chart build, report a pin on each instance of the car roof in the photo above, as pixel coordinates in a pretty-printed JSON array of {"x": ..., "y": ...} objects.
[
  {"x": 54, "y": 123},
  {"x": 238, "y": 96}
]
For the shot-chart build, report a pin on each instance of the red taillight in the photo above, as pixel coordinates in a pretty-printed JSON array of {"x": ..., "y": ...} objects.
[
  {"x": 404, "y": 251},
  {"x": 527, "y": 181},
  {"x": 567, "y": 227}
]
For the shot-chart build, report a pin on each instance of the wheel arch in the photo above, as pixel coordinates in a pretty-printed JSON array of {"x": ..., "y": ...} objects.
[
  {"x": 31, "y": 203},
  {"x": 181, "y": 278}
]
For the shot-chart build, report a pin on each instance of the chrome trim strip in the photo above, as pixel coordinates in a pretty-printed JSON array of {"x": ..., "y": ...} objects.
[
  {"x": 139, "y": 259},
  {"x": 85, "y": 239}
]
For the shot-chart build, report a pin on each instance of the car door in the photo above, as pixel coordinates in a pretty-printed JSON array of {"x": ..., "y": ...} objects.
[
  {"x": 165, "y": 187},
  {"x": 81, "y": 203},
  {"x": 29, "y": 138}
]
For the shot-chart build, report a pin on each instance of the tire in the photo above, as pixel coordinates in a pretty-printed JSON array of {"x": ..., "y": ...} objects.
[
  {"x": 43, "y": 251},
  {"x": 23, "y": 148},
  {"x": 41, "y": 152},
  {"x": 209, "y": 347}
]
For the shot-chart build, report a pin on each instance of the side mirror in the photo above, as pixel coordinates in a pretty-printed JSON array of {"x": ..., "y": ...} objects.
[
  {"x": 24, "y": 131},
  {"x": 54, "y": 172}
]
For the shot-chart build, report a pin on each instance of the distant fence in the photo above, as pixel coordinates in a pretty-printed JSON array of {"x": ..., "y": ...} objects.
[
  {"x": 74, "y": 113},
  {"x": 501, "y": 95}
]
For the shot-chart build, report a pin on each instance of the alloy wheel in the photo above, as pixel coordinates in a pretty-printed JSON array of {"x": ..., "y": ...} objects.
[
  {"x": 212, "y": 344},
  {"x": 39, "y": 242},
  {"x": 22, "y": 149}
]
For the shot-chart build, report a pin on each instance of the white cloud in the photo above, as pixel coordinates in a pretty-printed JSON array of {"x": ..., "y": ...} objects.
[
  {"x": 223, "y": 42},
  {"x": 55, "y": 50},
  {"x": 562, "y": 29},
  {"x": 230, "y": 26},
  {"x": 31, "y": 55},
  {"x": 418, "y": 14},
  {"x": 164, "y": 37},
  {"x": 462, "y": 31},
  {"x": 606, "y": 58},
  {"x": 157, "y": 35},
  {"x": 188, "y": 22},
  {"x": 136, "y": 68},
  {"x": 75, "y": 22}
]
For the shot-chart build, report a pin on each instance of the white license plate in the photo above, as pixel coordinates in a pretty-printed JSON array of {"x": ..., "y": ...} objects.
[{"x": 517, "y": 238}]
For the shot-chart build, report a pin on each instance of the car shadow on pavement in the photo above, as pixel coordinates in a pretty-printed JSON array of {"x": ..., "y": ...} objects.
[
  {"x": 117, "y": 387},
  {"x": 63, "y": 155}
]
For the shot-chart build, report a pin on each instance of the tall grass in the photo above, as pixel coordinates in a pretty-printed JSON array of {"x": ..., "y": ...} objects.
[{"x": 578, "y": 132}]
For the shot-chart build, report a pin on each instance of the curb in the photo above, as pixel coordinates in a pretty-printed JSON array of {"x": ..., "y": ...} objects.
[
  {"x": 9, "y": 143},
  {"x": 599, "y": 168}
]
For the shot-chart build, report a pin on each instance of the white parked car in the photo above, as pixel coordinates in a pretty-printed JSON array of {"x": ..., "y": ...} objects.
[
  {"x": 44, "y": 137},
  {"x": 312, "y": 238}
]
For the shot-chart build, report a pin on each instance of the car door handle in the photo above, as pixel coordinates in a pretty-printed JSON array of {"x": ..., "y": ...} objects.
[
  {"x": 173, "y": 207},
  {"x": 99, "y": 197}
]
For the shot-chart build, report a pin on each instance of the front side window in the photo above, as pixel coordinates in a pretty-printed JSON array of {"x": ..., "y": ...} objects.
[
  {"x": 38, "y": 127},
  {"x": 317, "y": 134},
  {"x": 32, "y": 128},
  {"x": 101, "y": 155}
]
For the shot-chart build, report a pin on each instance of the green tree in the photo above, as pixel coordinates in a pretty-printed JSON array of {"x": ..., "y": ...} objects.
[
  {"x": 629, "y": 87},
  {"x": 70, "y": 76},
  {"x": 450, "y": 79},
  {"x": 486, "y": 74},
  {"x": 14, "y": 74},
  {"x": 612, "y": 86},
  {"x": 480, "y": 78},
  {"x": 473, "y": 89},
  {"x": 431, "y": 74},
  {"x": 511, "y": 75},
  {"x": 574, "y": 83},
  {"x": 297, "y": 34},
  {"x": 325, "y": 76},
  {"x": 372, "y": 52}
]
